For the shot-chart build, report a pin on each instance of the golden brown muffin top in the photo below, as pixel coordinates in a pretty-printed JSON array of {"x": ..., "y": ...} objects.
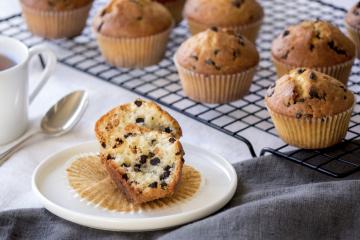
[
  {"x": 56, "y": 5},
  {"x": 305, "y": 93},
  {"x": 132, "y": 18},
  {"x": 223, "y": 13},
  {"x": 313, "y": 44},
  {"x": 353, "y": 16},
  {"x": 217, "y": 51}
]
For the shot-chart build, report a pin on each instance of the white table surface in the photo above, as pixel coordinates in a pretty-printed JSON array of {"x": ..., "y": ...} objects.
[{"x": 15, "y": 174}]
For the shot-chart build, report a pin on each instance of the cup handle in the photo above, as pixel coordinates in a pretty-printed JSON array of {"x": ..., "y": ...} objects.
[{"x": 49, "y": 68}]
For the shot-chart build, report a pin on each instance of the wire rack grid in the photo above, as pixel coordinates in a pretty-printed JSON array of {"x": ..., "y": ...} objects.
[{"x": 240, "y": 119}]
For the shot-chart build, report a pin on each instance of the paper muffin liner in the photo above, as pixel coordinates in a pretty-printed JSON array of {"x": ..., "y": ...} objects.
[
  {"x": 133, "y": 52},
  {"x": 88, "y": 177},
  {"x": 215, "y": 88},
  {"x": 314, "y": 133},
  {"x": 56, "y": 24},
  {"x": 250, "y": 31},
  {"x": 340, "y": 71},
  {"x": 175, "y": 8},
  {"x": 355, "y": 37}
]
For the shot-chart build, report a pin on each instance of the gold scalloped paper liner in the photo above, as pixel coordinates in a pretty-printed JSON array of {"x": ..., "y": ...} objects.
[
  {"x": 250, "y": 31},
  {"x": 340, "y": 71},
  {"x": 56, "y": 24},
  {"x": 315, "y": 133},
  {"x": 89, "y": 179}
]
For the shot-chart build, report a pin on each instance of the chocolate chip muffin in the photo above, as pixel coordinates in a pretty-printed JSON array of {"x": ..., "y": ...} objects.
[
  {"x": 352, "y": 21},
  {"x": 56, "y": 18},
  {"x": 133, "y": 33},
  {"x": 175, "y": 7},
  {"x": 310, "y": 109},
  {"x": 216, "y": 66},
  {"x": 243, "y": 16},
  {"x": 314, "y": 44}
]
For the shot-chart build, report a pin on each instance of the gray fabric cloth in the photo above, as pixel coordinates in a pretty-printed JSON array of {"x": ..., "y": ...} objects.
[{"x": 275, "y": 199}]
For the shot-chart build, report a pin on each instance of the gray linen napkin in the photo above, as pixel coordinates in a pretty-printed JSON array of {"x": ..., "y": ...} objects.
[{"x": 275, "y": 199}]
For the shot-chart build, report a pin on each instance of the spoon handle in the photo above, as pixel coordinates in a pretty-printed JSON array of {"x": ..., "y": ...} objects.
[{"x": 8, "y": 153}]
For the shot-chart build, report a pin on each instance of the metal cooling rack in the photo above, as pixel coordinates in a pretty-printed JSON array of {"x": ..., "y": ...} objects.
[{"x": 240, "y": 119}]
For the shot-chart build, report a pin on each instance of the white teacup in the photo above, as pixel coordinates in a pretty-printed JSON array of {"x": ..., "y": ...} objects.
[{"x": 14, "y": 86}]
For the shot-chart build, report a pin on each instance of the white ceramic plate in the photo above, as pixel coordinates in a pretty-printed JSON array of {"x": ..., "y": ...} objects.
[{"x": 218, "y": 185}]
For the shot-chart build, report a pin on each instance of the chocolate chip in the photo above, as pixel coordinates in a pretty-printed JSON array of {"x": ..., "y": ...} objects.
[
  {"x": 215, "y": 29},
  {"x": 314, "y": 93},
  {"x": 153, "y": 141},
  {"x": 100, "y": 26},
  {"x": 137, "y": 167},
  {"x": 155, "y": 161},
  {"x": 210, "y": 62},
  {"x": 285, "y": 33},
  {"x": 128, "y": 135},
  {"x": 312, "y": 46},
  {"x": 178, "y": 153},
  {"x": 300, "y": 100},
  {"x": 167, "y": 130},
  {"x": 216, "y": 51},
  {"x": 335, "y": 48},
  {"x": 103, "y": 144},
  {"x": 345, "y": 97},
  {"x": 358, "y": 5},
  {"x": 163, "y": 184},
  {"x": 167, "y": 168},
  {"x": 118, "y": 142},
  {"x": 125, "y": 165},
  {"x": 109, "y": 157},
  {"x": 300, "y": 70},
  {"x": 183, "y": 160},
  {"x": 313, "y": 76},
  {"x": 172, "y": 140},
  {"x": 143, "y": 159},
  {"x": 165, "y": 175},
  {"x": 236, "y": 53},
  {"x": 125, "y": 176},
  {"x": 298, "y": 115},
  {"x": 237, "y": 3},
  {"x": 151, "y": 154},
  {"x": 140, "y": 120},
  {"x": 138, "y": 103},
  {"x": 317, "y": 35},
  {"x": 153, "y": 185},
  {"x": 139, "y": 18},
  {"x": 196, "y": 58}
]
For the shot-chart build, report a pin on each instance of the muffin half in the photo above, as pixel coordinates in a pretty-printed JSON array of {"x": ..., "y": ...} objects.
[
  {"x": 216, "y": 66},
  {"x": 133, "y": 33},
  {"x": 240, "y": 16},
  {"x": 314, "y": 44},
  {"x": 56, "y": 18},
  {"x": 310, "y": 109}
]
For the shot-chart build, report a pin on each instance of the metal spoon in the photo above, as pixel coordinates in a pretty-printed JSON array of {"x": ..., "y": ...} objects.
[{"x": 58, "y": 120}]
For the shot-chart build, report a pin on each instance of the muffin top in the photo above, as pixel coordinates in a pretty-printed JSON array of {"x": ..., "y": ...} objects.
[
  {"x": 305, "y": 93},
  {"x": 56, "y": 5},
  {"x": 353, "y": 16},
  {"x": 223, "y": 13},
  {"x": 313, "y": 44},
  {"x": 132, "y": 18},
  {"x": 217, "y": 51}
]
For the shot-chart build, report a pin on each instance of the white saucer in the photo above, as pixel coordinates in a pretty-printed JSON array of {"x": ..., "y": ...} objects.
[{"x": 218, "y": 185}]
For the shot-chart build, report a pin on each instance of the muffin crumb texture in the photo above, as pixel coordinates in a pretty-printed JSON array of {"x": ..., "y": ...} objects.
[
  {"x": 306, "y": 94},
  {"x": 313, "y": 44},
  {"x": 217, "y": 51},
  {"x": 132, "y": 18}
]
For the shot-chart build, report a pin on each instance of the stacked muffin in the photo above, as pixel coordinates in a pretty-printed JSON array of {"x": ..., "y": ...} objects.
[
  {"x": 352, "y": 21},
  {"x": 241, "y": 16},
  {"x": 56, "y": 18},
  {"x": 133, "y": 33},
  {"x": 175, "y": 7}
]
